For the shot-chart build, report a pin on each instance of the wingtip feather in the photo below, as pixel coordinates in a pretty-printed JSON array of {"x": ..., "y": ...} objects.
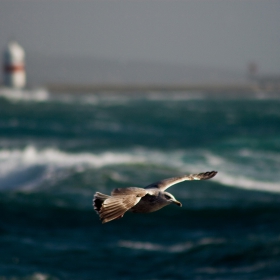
[{"x": 205, "y": 175}]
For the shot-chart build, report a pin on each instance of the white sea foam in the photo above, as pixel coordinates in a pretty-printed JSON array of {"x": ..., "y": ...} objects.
[
  {"x": 115, "y": 98},
  {"x": 109, "y": 98},
  {"x": 49, "y": 162},
  {"x": 243, "y": 182},
  {"x": 248, "y": 169},
  {"x": 17, "y": 163},
  {"x": 175, "y": 248},
  {"x": 10, "y": 160},
  {"x": 18, "y": 95}
]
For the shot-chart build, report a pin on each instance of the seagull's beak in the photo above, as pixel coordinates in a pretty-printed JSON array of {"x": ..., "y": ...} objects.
[{"x": 177, "y": 203}]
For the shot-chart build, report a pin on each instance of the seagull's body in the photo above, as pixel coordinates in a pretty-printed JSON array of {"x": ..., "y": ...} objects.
[{"x": 141, "y": 200}]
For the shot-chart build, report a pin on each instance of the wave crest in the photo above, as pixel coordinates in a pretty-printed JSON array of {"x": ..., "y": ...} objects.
[{"x": 20, "y": 167}]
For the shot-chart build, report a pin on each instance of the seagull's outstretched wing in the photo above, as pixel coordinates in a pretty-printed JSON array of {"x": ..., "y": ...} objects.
[
  {"x": 122, "y": 199},
  {"x": 166, "y": 183}
]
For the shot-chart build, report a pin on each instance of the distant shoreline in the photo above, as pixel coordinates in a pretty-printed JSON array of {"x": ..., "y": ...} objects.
[{"x": 213, "y": 88}]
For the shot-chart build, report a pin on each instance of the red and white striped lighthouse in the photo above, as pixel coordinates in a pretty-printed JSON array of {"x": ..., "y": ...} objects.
[{"x": 14, "y": 75}]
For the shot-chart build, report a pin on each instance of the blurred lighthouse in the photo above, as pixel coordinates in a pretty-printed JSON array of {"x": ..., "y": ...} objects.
[{"x": 14, "y": 75}]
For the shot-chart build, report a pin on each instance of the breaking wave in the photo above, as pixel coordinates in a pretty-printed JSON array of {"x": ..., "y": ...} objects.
[{"x": 26, "y": 168}]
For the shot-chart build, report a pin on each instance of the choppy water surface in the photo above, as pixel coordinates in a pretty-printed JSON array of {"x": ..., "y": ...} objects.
[{"x": 57, "y": 150}]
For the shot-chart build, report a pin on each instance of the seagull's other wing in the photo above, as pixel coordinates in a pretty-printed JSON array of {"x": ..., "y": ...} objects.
[
  {"x": 114, "y": 207},
  {"x": 166, "y": 183}
]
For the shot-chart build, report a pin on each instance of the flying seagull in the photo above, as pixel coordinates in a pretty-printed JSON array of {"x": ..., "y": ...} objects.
[{"x": 141, "y": 200}]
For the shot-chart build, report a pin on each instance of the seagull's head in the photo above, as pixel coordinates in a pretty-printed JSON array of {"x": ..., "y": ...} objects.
[{"x": 168, "y": 197}]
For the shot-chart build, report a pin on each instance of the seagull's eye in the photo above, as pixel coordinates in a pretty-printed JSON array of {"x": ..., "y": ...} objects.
[{"x": 167, "y": 196}]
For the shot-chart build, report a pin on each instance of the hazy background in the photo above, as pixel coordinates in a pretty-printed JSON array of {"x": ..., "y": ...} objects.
[
  {"x": 57, "y": 150},
  {"x": 156, "y": 41}
]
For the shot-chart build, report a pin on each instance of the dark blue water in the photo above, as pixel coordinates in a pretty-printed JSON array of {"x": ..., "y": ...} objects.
[{"x": 57, "y": 150}]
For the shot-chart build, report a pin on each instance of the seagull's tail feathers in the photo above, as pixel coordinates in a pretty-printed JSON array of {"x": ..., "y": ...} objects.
[
  {"x": 106, "y": 214},
  {"x": 98, "y": 200}
]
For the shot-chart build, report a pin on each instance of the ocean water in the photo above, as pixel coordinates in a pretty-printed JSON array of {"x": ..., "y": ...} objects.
[{"x": 57, "y": 150}]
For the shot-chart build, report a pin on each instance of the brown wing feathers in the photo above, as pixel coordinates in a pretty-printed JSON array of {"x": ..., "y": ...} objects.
[
  {"x": 113, "y": 207},
  {"x": 166, "y": 183},
  {"x": 112, "y": 210}
]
